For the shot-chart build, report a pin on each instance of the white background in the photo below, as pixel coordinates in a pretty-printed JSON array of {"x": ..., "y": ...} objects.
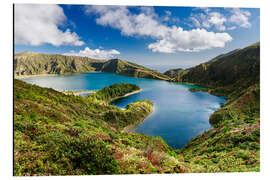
[{"x": 6, "y": 98}]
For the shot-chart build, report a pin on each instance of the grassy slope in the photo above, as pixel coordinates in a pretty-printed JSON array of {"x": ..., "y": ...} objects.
[
  {"x": 175, "y": 74},
  {"x": 227, "y": 72},
  {"x": 58, "y": 134},
  {"x": 232, "y": 145},
  {"x": 234, "y": 142},
  {"x": 29, "y": 63},
  {"x": 123, "y": 67}
]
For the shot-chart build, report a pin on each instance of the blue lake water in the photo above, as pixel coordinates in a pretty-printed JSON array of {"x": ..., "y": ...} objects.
[{"x": 179, "y": 115}]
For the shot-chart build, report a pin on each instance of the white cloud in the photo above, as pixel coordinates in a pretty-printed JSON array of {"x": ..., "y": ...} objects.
[
  {"x": 217, "y": 20},
  {"x": 231, "y": 28},
  {"x": 38, "y": 24},
  {"x": 205, "y": 9},
  {"x": 195, "y": 22},
  {"x": 189, "y": 41},
  {"x": 204, "y": 19},
  {"x": 167, "y": 16},
  {"x": 145, "y": 23},
  {"x": 209, "y": 18},
  {"x": 94, "y": 53},
  {"x": 119, "y": 17},
  {"x": 240, "y": 17}
]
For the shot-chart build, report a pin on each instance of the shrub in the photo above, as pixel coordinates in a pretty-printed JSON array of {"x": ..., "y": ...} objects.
[
  {"x": 243, "y": 155},
  {"x": 92, "y": 156},
  {"x": 80, "y": 124}
]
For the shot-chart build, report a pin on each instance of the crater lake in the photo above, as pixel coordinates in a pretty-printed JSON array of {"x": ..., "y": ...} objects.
[{"x": 179, "y": 114}]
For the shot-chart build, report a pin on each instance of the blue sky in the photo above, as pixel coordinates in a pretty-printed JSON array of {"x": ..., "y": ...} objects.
[{"x": 157, "y": 37}]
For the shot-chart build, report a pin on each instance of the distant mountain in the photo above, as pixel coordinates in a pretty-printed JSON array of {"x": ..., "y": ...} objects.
[
  {"x": 238, "y": 68},
  {"x": 31, "y": 63},
  {"x": 123, "y": 67},
  {"x": 176, "y": 74}
]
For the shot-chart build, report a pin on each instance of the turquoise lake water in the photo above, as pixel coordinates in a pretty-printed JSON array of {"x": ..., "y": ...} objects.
[{"x": 179, "y": 115}]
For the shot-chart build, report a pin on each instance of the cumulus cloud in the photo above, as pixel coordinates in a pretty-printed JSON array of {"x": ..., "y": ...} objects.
[
  {"x": 119, "y": 17},
  {"x": 94, "y": 53},
  {"x": 189, "y": 41},
  {"x": 196, "y": 22},
  {"x": 209, "y": 18},
  {"x": 204, "y": 21},
  {"x": 240, "y": 17},
  {"x": 38, "y": 24},
  {"x": 169, "y": 18},
  {"x": 145, "y": 23},
  {"x": 231, "y": 28},
  {"x": 217, "y": 20}
]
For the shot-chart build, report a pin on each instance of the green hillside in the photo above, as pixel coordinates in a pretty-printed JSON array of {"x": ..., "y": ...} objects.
[
  {"x": 30, "y": 63},
  {"x": 175, "y": 74},
  {"x": 236, "y": 70},
  {"x": 123, "y": 67},
  {"x": 58, "y": 134},
  {"x": 234, "y": 143}
]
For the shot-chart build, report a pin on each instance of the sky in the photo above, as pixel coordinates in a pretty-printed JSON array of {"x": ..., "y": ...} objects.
[{"x": 158, "y": 37}]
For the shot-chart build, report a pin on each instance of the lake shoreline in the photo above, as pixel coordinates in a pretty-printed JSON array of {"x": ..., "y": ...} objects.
[
  {"x": 126, "y": 95},
  {"x": 41, "y": 75},
  {"x": 76, "y": 93},
  {"x": 130, "y": 127}
]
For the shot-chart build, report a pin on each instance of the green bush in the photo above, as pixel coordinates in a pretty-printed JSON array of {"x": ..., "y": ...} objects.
[
  {"x": 80, "y": 124},
  {"x": 91, "y": 156}
]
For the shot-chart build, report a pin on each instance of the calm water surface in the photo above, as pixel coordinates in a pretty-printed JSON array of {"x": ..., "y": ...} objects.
[{"x": 179, "y": 115}]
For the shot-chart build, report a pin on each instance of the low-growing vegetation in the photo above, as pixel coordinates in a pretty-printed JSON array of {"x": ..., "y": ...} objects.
[
  {"x": 233, "y": 145},
  {"x": 58, "y": 134}
]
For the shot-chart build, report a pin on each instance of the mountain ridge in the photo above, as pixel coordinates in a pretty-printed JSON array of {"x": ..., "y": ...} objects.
[
  {"x": 239, "y": 67},
  {"x": 31, "y": 63}
]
